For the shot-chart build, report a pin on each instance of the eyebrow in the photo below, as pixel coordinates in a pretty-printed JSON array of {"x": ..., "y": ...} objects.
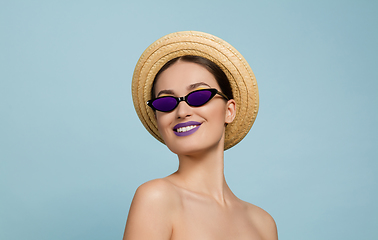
[
  {"x": 164, "y": 92},
  {"x": 190, "y": 87},
  {"x": 196, "y": 85}
]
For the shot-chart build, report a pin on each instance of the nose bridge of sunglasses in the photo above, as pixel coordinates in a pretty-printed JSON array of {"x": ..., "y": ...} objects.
[
  {"x": 180, "y": 99},
  {"x": 183, "y": 99}
]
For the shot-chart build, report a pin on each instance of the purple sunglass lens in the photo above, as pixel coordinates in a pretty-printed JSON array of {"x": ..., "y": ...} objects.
[
  {"x": 199, "y": 98},
  {"x": 165, "y": 104}
]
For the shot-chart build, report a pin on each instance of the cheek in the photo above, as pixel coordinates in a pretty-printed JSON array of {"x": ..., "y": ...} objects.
[
  {"x": 163, "y": 122},
  {"x": 215, "y": 114},
  {"x": 219, "y": 111},
  {"x": 159, "y": 120}
]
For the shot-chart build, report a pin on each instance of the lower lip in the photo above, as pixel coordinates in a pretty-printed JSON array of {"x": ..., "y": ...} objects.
[{"x": 187, "y": 133}]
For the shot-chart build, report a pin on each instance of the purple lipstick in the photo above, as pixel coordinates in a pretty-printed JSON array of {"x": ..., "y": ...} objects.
[{"x": 186, "y": 128}]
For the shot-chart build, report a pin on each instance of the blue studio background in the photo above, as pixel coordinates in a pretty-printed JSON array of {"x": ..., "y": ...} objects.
[{"x": 72, "y": 150}]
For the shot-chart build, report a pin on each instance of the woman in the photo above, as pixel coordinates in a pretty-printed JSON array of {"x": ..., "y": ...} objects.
[{"x": 201, "y": 99}]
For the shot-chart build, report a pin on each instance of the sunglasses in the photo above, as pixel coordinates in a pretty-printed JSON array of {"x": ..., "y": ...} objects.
[{"x": 196, "y": 98}]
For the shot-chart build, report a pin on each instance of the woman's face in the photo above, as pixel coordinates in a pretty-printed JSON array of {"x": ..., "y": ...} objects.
[{"x": 187, "y": 129}]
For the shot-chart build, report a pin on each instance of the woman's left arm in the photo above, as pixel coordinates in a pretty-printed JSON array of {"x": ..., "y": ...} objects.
[{"x": 264, "y": 223}]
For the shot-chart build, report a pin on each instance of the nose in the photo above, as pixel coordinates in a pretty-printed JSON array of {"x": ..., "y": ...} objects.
[{"x": 183, "y": 110}]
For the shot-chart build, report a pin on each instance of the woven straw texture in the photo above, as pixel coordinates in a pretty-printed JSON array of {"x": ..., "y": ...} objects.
[{"x": 240, "y": 75}]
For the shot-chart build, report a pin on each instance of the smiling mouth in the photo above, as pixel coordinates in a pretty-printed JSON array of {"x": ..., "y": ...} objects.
[{"x": 187, "y": 128}]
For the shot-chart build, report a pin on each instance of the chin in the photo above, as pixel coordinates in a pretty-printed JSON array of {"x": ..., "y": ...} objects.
[
  {"x": 193, "y": 148},
  {"x": 186, "y": 150}
]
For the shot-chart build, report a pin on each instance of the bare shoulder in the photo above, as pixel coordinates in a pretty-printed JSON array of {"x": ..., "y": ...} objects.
[
  {"x": 152, "y": 211},
  {"x": 263, "y": 221},
  {"x": 160, "y": 190},
  {"x": 156, "y": 195}
]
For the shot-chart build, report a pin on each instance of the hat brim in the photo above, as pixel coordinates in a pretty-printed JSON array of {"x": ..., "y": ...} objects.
[{"x": 236, "y": 68}]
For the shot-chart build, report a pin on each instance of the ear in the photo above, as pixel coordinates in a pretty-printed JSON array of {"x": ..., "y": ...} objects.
[{"x": 230, "y": 111}]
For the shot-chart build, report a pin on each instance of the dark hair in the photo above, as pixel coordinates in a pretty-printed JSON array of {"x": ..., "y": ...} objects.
[{"x": 214, "y": 69}]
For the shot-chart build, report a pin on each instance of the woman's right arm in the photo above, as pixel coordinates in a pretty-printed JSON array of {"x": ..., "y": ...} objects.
[{"x": 151, "y": 211}]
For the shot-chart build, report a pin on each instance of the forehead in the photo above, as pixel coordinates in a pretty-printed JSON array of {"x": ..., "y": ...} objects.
[{"x": 183, "y": 74}]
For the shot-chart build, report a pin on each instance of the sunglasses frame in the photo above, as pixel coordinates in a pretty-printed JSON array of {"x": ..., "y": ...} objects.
[{"x": 185, "y": 98}]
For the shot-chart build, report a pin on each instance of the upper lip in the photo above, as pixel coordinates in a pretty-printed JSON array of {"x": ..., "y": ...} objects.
[{"x": 185, "y": 124}]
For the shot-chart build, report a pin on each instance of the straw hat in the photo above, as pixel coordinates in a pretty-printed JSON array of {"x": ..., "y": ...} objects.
[{"x": 236, "y": 68}]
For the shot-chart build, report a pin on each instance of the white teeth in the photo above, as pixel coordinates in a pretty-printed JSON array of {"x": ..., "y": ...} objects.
[{"x": 185, "y": 129}]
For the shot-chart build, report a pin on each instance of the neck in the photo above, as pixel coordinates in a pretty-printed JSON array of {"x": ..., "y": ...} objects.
[{"x": 203, "y": 173}]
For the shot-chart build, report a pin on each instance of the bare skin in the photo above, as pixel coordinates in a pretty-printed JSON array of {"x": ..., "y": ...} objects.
[{"x": 195, "y": 202}]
